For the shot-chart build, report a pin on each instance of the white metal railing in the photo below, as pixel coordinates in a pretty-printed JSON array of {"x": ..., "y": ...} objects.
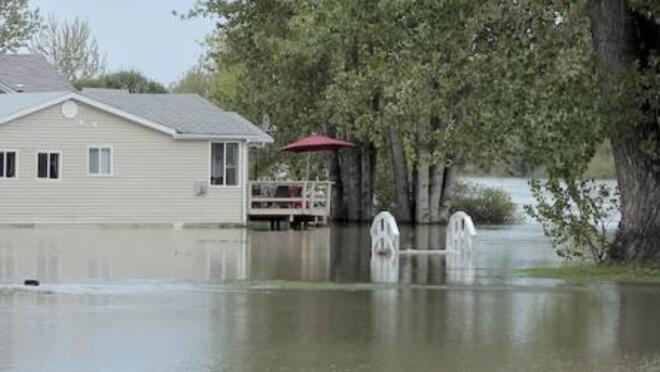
[
  {"x": 290, "y": 197},
  {"x": 385, "y": 235}
]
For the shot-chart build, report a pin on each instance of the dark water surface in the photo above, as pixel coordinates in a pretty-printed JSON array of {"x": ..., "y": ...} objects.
[{"x": 235, "y": 300}]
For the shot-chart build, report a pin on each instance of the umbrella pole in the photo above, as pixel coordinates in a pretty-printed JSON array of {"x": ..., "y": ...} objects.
[{"x": 309, "y": 156}]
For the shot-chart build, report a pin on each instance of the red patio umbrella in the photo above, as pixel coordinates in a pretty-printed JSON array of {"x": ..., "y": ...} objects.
[{"x": 315, "y": 143}]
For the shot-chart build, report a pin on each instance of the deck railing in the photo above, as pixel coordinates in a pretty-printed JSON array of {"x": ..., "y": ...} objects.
[{"x": 290, "y": 198}]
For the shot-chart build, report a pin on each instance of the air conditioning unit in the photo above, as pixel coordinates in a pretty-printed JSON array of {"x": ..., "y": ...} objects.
[{"x": 201, "y": 187}]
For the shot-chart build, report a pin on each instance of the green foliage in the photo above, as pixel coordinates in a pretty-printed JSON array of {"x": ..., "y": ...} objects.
[
  {"x": 486, "y": 205},
  {"x": 500, "y": 80},
  {"x": 17, "y": 24},
  {"x": 130, "y": 80},
  {"x": 575, "y": 213},
  {"x": 352, "y": 69},
  {"x": 601, "y": 165},
  {"x": 196, "y": 80},
  {"x": 71, "y": 48}
]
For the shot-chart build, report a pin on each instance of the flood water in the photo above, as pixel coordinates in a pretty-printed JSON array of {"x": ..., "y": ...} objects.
[{"x": 236, "y": 300}]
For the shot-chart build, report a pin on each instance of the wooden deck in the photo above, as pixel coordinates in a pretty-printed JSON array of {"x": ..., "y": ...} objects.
[{"x": 307, "y": 201}]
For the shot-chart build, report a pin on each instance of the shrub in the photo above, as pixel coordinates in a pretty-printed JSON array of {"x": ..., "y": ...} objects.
[
  {"x": 486, "y": 205},
  {"x": 575, "y": 213}
]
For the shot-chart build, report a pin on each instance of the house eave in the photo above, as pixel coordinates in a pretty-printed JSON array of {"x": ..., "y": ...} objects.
[{"x": 214, "y": 137}]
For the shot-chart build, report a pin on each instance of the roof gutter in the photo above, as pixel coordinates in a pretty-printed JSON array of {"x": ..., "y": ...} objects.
[{"x": 207, "y": 137}]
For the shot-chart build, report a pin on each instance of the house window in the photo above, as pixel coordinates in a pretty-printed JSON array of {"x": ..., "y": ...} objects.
[
  {"x": 224, "y": 164},
  {"x": 49, "y": 165},
  {"x": 99, "y": 161},
  {"x": 7, "y": 164}
]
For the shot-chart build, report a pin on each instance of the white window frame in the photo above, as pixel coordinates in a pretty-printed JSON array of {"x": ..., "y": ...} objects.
[
  {"x": 112, "y": 160},
  {"x": 59, "y": 166},
  {"x": 2, "y": 177},
  {"x": 239, "y": 172}
]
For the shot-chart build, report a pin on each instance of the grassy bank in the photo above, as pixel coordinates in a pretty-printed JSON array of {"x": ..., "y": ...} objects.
[{"x": 593, "y": 273}]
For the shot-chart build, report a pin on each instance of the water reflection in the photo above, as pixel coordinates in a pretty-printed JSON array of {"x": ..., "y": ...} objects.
[
  {"x": 339, "y": 254},
  {"x": 63, "y": 254},
  {"x": 475, "y": 325},
  {"x": 384, "y": 269},
  {"x": 485, "y": 318}
]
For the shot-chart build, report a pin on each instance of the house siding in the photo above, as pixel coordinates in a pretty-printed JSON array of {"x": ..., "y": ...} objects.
[{"x": 152, "y": 182}]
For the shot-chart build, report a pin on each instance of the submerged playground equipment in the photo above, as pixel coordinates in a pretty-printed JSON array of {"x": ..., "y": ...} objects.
[
  {"x": 461, "y": 234},
  {"x": 385, "y": 236}
]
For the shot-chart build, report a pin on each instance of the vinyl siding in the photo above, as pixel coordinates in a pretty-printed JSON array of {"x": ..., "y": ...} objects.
[{"x": 152, "y": 182}]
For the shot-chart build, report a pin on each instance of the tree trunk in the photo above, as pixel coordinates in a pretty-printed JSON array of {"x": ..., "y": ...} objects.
[
  {"x": 437, "y": 180},
  {"x": 399, "y": 172},
  {"x": 422, "y": 163},
  {"x": 422, "y": 201},
  {"x": 621, "y": 37},
  {"x": 368, "y": 164},
  {"x": 449, "y": 181},
  {"x": 351, "y": 180},
  {"x": 338, "y": 212}
]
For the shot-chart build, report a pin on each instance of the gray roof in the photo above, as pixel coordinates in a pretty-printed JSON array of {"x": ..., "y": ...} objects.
[
  {"x": 30, "y": 73},
  {"x": 188, "y": 114},
  {"x": 11, "y": 104}
]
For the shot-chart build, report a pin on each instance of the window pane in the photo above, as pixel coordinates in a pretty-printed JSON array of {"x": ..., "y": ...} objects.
[
  {"x": 54, "y": 166},
  {"x": 105, "y": 161},
  {"x": 42, "y": 168},
  {"x": 2, "y": 164},
  {"x": 217, "y": 164},
  {"x": 232, "y": 164},
  {"x": 93, "y": 161},
  {"x": 10, "y": 170},
  {"x": 232, "y": 178}
]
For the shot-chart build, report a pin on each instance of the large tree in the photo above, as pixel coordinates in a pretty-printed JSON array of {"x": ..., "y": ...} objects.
[
  {"x": 71, "y": 48},
  {"x": 345, "y": 69},
  {"x": 580, "y": 73},
  {"x": 17, "y": 24},
  {"x": 626, "y": 39}
]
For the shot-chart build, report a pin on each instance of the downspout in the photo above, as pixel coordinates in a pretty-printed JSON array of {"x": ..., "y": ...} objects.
[{"x": 245, "y": 180}]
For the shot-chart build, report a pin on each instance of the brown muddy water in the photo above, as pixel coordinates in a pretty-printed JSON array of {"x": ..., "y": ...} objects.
[{"x": 234, "y": 300}]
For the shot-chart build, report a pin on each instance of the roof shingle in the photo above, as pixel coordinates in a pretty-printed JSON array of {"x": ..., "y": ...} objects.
[
  {"x": 30, "y": 73},
  {"x": 188, "y": 114}
]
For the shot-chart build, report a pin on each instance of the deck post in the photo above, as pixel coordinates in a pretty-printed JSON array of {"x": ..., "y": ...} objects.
[
  {"x": 249, "y": 197},
  {"x": 312, "y": 196},
  {"x": 304, "y": 196}
]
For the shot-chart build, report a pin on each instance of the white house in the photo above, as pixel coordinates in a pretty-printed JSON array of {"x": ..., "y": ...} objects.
[{"x": 104, "y": 156}]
